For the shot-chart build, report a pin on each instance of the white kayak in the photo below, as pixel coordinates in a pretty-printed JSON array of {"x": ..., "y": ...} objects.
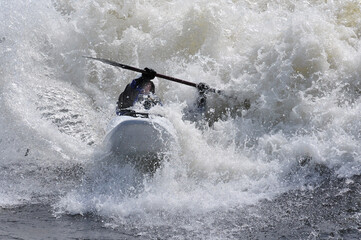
[{"x": 139, "y": 137}]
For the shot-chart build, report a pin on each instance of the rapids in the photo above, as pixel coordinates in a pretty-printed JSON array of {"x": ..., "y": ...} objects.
[{"x": 298, "y": 62}]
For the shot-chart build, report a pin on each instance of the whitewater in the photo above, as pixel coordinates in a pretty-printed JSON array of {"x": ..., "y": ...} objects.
[{"x": 289, "y": 166}]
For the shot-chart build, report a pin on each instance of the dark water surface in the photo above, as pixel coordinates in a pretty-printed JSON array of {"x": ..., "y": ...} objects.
[{"x": 38, "y": 222}]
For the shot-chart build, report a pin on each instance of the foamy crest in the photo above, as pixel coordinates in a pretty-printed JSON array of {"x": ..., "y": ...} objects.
[{"x": 297, "y": 62}]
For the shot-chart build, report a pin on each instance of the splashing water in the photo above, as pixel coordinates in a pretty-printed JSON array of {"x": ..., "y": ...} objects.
[{"x": 298, "y": 62}]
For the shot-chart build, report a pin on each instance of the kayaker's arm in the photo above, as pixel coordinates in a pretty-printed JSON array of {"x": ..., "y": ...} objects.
[
  {"x": 130, "y": 94},
  {"x": 147, "y": 76}
]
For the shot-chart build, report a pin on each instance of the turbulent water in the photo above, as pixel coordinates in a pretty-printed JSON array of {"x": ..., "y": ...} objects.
[{"x": 287, "y": 167}]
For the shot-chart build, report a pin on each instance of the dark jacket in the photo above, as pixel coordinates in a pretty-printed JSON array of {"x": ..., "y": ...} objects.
[{"x": 131, "y": 92}]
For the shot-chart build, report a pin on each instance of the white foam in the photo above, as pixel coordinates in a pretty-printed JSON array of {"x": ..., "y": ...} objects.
[{"x": 297, "y": 62}]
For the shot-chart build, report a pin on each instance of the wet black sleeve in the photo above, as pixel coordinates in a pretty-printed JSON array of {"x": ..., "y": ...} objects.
[{"x": 127, "y": 97}]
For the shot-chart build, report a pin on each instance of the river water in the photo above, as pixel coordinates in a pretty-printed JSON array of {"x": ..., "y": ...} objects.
[{"x": 288, "y": 167}]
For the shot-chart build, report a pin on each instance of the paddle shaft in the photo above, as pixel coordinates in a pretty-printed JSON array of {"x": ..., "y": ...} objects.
[{"x": 142, "y": 71}]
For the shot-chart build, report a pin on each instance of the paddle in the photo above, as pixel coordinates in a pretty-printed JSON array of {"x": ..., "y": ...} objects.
[
  {"x": 246, "y": 103},
  {"x": 143, "y": 71}
]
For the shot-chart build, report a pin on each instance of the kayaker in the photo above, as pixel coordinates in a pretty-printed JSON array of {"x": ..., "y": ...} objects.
[
  {"x": 134, "y": 91},
  {"x": 143, "y": 86}
]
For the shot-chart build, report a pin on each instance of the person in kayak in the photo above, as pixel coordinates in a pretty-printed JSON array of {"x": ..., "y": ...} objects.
[
  {"x": 136, "y": 92},
  {"x": 143, "y": 86}
]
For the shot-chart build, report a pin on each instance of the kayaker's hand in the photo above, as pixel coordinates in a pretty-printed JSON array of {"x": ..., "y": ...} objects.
[
  {"x": 149, "y": 73},
  {"x": 202, "y": 88}
]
